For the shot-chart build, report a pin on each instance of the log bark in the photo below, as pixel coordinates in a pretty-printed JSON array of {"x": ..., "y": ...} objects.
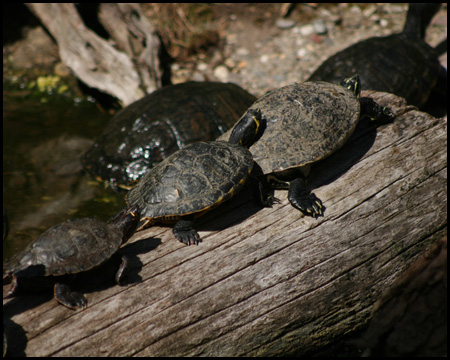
[
  {"x": 266, "y": 281},
  {"x": 128, "y": 73}
]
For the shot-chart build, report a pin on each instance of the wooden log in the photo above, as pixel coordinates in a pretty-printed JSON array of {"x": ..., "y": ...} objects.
[
  {"x": 128, "y": 75},
  {"x": 266, "y": 281},
  {"x": 134, "y": 34}
]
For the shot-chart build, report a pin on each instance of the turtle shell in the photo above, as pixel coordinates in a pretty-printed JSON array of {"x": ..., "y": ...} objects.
[
  {"x": 190, "y": 181},
  {"x": 402, "y": 64},
  {"x": 149, "y": 130},
  {"x": 74, "y": 246},
  {"x": 71, "y": 247},
  {"x": 305, "y": 123}
]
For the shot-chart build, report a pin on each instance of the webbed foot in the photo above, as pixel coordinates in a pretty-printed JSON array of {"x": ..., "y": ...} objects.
[
  {"x": 304, "y": 200},
  {"x": 184, "y": 232}
]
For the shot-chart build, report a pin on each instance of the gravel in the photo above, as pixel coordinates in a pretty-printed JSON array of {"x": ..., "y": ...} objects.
[{"x": 260, "y": 56}]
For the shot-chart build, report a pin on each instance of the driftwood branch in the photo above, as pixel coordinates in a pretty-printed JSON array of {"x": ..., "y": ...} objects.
[
  {"x": 127, "y": 73},
  {"x": 266, "y": 281}
]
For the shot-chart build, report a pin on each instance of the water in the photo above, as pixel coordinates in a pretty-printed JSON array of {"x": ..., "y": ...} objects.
[{"x": 43, "y": 182}]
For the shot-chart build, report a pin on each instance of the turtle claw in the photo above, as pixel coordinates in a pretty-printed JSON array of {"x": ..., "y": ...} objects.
[
  {"x": 269, "y": 200},
  {"x": 304, "y": 200},
  {"x": 309, "y": 204},
  {"x": 315, "y": 210},
  {"x": 318, "y": 208},
  {"x": 188, "y": 237},
  {"x": 185, "y": 233},
  {"x": 276, "y": 200}
]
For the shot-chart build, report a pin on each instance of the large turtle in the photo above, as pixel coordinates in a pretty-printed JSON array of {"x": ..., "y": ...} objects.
[
  {"x": 72, "y": 247},
  {"x": 402, "y": 64},
  {"x": 194, "y": 180},
  {"x": 304, "y": 124},
  {"x": 152, "y": 128}
]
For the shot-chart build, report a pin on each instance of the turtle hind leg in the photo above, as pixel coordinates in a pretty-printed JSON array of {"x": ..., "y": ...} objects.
[
  {"x": 304, "y": 200},
  {"x": 184, "y": 232},
  {"x": 70, "y": 299}
]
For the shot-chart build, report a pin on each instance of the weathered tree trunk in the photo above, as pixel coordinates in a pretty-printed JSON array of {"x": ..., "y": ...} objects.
[
  {"x": 128, "y": 73},
  {"x": 266, "y": 281}
]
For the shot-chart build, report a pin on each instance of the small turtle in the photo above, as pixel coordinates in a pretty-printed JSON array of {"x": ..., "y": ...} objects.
[
  {"x": 402, "y": 64},
  {"x": 194, "y": 180},
  {"x": 72, "y": 247},
  {"x": 304, "y": 124},
  {"x": 149, "y": 130}
]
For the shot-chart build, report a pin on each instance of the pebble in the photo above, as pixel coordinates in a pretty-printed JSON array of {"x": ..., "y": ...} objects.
[
  {"x": 264, "y": 59},
  {"x": 201, "y": 66},
  {"x": 319, "y": 26},
  {"x": 301, "y": 53},
  {"x": 306, "y": 30},
  {"x": 285, "y": 24},
  {"x": 242, "y": 51},
  {"x": 221, "y": 72},
  {"x": 277, "y": 58},
  {"x": 384, "y": 23},
  {"x": 230, "y": 63}
]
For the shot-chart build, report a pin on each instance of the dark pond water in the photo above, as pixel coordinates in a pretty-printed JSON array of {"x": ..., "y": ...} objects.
[{"x": 43, "y": 182}]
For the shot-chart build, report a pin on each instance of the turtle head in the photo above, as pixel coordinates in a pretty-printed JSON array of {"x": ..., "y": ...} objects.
[
  {"x": 353, "y": 84},
  {"x": 126, "y": 220},
  {"x": 249, "y": 128}
]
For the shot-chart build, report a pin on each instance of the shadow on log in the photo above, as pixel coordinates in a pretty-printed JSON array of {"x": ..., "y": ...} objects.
[{"x": 267, "y": 282}]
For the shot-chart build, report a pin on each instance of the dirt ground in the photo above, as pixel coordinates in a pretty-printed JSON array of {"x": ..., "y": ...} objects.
[{"x": 257, "y": 46}]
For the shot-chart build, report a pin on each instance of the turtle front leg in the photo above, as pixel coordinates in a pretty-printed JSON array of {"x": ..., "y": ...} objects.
[
  {"x": 303, "y": 199},
  {"x": 70, "y": 299},
  {"x": 262, "y": 191},
  {"x": 184, "y": 232}
]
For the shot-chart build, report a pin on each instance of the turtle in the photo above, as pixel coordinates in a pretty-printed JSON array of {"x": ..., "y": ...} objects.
[
  {"x": 194, "y": 180},
  {"x": 305, "y": 122},
  {"x": 150, "y": 129},
  {"x": 402, "y": 64},
  {"x": 72, "y": 247}
]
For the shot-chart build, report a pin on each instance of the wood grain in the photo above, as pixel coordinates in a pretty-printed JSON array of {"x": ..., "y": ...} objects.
[{"x": 266, "y": 281}]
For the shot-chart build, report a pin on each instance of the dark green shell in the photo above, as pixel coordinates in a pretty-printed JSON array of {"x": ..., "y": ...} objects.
[
  {"x": 402, "y": 64},
  {"x": 149, "y": 130},
  {"x": 192, "y": 180},
  {"x": 74, "y": 246},
  {"x": 305, "y": 123}
]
